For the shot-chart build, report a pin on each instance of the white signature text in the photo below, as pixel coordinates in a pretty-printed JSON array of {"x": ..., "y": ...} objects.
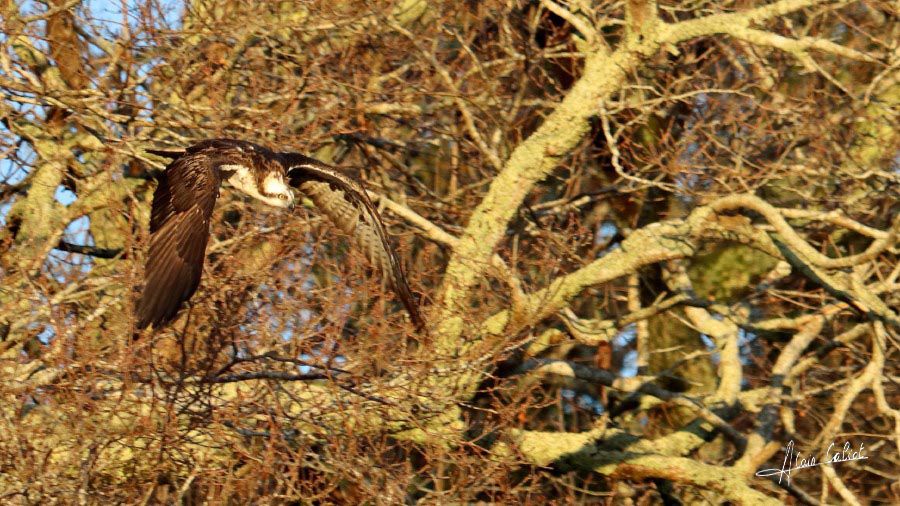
[{"x": 794, "y": 460}]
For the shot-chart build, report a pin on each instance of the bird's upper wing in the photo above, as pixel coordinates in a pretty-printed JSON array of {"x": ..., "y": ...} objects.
[
  {"x": 345, "y": 202},
  {"x": 179, "y": 230}
]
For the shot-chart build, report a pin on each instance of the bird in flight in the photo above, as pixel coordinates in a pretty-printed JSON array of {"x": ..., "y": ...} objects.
[{"x": 184, "y": 200}]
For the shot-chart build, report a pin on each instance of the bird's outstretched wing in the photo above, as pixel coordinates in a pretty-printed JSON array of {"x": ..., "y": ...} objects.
[
  {"x": 179, "y": 230},
  {"x": 345, "y": 202}
]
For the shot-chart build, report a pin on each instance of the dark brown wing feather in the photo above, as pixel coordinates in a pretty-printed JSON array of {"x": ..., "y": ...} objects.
[
  {"x": 346, "y": 204},
  {"x": 166, "y": 153},
  {"x": 179, "y": 230}
]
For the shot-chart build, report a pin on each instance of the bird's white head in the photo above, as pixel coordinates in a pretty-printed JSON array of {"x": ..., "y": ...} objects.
[
  {"x": 275, "y": 191},
  {"x": 272, "y": 189}
]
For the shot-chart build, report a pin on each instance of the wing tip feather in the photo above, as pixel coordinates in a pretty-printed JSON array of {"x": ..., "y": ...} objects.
[{"x": 166, "y": 153}]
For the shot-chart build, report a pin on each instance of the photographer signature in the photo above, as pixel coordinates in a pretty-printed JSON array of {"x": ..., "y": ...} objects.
[{"x": 794, "y": 460}]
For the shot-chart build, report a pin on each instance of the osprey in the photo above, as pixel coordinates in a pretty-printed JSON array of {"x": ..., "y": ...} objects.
[{"x": 184, "y": 200}]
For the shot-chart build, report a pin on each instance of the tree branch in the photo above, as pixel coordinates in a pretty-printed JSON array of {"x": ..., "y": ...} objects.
[{"x": 93, "y": 251}]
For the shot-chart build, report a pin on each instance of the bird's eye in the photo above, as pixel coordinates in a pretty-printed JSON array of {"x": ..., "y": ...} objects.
[{"x": 283, "y": 196}]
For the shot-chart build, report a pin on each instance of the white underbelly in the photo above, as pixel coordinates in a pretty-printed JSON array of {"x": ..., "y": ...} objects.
[{"x": 241, "y": 179}]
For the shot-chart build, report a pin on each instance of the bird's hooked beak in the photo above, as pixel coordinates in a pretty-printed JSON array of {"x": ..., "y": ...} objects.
[{"x": 288, "y": 199}]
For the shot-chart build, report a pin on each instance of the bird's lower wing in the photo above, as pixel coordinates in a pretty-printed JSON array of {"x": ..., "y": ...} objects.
[
  {"x": 174, "y": 267},
  {"x": 179, "y": 230}
]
